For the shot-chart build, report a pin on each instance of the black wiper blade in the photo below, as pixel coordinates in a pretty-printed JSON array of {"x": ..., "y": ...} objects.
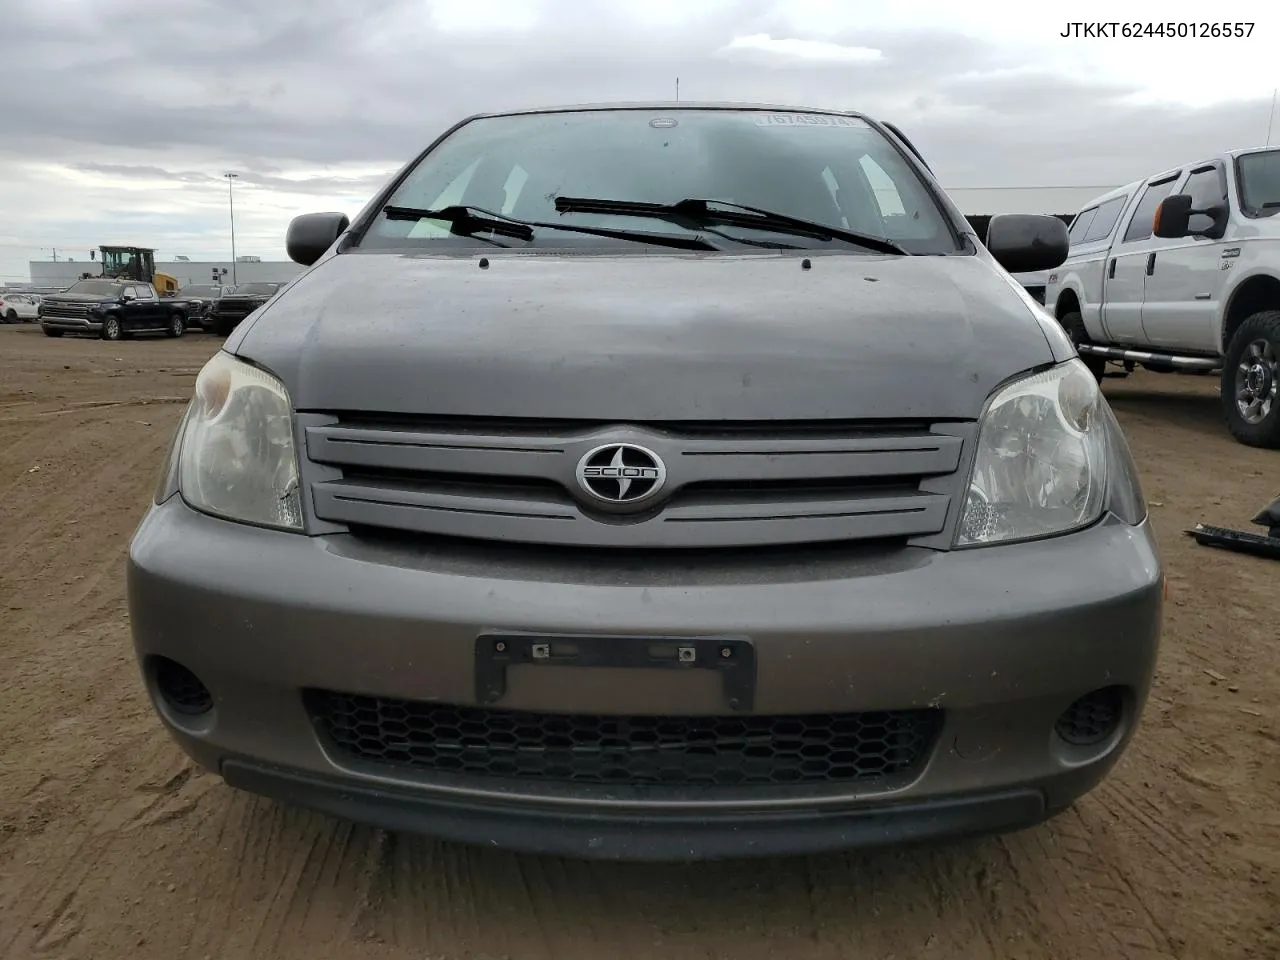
[
  {"x": 639, "y": 236},
  {"x": 463, "y": 220},
  {"x": 695, "y": 212},
  {"x": 469, "y": 220}
]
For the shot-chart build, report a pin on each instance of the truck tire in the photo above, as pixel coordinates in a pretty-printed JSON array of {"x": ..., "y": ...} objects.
[
  {"x": 177, "y": 325},
  {"x": 52, "y": 333},
  {"x": 223, "y": 328},
  {"x": 1251, "y": 381},
  {"x": 112, "y": 328},
  {"x": 1073, "y": 325},
  {"x": 11, "y": 316}
]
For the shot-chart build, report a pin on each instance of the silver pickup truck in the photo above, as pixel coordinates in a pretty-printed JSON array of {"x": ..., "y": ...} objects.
[{"x": 1181, "y": 273}]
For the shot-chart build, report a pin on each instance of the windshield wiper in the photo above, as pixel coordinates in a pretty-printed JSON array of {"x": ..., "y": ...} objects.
[
  {"x": 464, "y": 221},
  {"x": 468, "y": 221},
  {"x": 694, "y": 213}
]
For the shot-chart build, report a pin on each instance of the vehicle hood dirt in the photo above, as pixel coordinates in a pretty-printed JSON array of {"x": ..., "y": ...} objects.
[
  {"x": 79, "y": 298},
  {"x": 648, "y": 337}
]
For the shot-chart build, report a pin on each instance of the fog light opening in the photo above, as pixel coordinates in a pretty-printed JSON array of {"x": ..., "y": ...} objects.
[
  {"x": 181, "y": 690},
  {"x": 1093, "y": 718}
]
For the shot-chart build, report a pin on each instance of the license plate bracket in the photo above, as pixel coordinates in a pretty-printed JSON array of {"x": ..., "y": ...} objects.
[{"x": 734, "y": 658}]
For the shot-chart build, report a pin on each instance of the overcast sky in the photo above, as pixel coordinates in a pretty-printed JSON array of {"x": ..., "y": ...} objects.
[{"x": 118, "y": 119}]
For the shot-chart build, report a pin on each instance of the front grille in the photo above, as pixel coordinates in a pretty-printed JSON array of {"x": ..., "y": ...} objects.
[
  {"x": 726, "y": 485},
  {"x": 70, "y": 311},
  {"x": 749, "y": 750},
  {"x": 238, "y": 309}
]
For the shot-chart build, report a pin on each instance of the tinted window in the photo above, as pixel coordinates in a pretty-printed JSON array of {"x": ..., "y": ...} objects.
[
  {"x": 1207, "y": 188},
  {"x": 1080, "y": 225},
  {"x": 95, "y": 288},
  {"x": 836, "y": 170},
  {"x": 1141, "y": 222},
  {"x": 144, "y": 291},
  {"x": 1259, "y": 175},
  {"x": 258, "y": 289},
  {"x": 1105, "y": 220}
]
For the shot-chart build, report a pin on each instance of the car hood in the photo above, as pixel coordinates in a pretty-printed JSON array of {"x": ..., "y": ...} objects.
[
  {"x": 76, "y": 298},
  {"x": 649, "y": 337}
]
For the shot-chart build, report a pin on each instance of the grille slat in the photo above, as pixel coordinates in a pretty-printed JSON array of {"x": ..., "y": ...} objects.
[
  {"x": 69, "y": 311},
  {"x": 231, "y": 309},
  {"x": 750, "y": 750},
  {"x": 735, "y": 487}
]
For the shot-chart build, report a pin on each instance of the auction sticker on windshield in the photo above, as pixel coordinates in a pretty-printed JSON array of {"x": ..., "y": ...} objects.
[{"x": 806, "y": 120}]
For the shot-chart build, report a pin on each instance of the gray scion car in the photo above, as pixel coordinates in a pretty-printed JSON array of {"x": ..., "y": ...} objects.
[{"x": 654, "y": 481}]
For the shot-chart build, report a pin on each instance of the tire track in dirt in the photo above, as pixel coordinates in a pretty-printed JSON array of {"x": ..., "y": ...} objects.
[
  {"x": 63, "y": 495},
  {"x": 1072, "y": 855}
]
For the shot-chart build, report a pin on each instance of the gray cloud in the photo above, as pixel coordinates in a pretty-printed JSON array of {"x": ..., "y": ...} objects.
[
  {"x": 141, "y": 90},
  {"x": 317, "y": 185}
]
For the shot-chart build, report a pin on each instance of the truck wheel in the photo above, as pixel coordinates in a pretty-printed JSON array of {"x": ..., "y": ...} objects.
[
  {"x": 1251, "y": 381},
  {"x": 111, "y": 329},
  {"x": 177, "y": 325},
  {"x": 52, "y": 333},
  {"x": 223, "y": 328},
  {"x": 1073, "y": 324},
  {"x": 11, "y": 316}
]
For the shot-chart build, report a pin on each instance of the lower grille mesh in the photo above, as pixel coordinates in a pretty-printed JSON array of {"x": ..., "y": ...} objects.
[{"x": 641, "y": 750}]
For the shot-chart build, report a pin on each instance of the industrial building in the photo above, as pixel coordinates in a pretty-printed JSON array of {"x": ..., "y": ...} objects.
[
  {"x": 979, "y": 204},
  {"x": 63, "y": 273}
]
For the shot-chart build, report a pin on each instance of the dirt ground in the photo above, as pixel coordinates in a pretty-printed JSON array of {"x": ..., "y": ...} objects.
[{"x": 111, "y": 845}]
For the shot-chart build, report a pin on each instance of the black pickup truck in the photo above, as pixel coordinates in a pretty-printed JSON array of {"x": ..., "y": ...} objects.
[
  {"x": 110, "y": 309},
  {"x": 229, "y": 310},
  {"x": 197, "y": 301}
]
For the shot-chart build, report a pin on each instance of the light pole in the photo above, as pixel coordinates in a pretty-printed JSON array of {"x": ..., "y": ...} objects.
[{"x": 232, "y": 204}]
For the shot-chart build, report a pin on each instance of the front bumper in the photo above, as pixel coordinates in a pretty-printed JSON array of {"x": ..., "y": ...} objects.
[
  {"x": 71, "y": 324},
  {"x": 639, "y": 836},
  {"x": 1001, "y": 639}
]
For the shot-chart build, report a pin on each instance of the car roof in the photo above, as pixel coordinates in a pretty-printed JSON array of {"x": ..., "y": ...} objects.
[
  {"x": 1245, "y": 150},
  {"x": 1130, "y": 187},
  {"x": 671, "y": 105},
  {"x": 1228, "y": 155}
]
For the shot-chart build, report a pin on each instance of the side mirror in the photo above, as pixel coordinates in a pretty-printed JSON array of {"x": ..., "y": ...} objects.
[
  {"x": 1173, "y": 217},
  {"x": 127, "y": 297},
  {"x": 1172, "y": 220},
  {"x": 311, "y": 234},
  {"x": 1027, "y": 243}
]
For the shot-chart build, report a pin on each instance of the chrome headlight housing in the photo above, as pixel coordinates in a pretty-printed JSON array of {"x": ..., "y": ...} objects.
[
  {"x": 237, "y": 458},
  {"x": 1041, "y": 463}
]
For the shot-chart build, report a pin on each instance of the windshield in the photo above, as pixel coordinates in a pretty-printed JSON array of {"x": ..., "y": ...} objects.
[
  {"x": 257, "y": 289},
  {"x": 830, "y": 169},
  {"x": 1259, "y": 176},
  {"x": 96, "y": 288},
  {"x": 200, "y": 290}
]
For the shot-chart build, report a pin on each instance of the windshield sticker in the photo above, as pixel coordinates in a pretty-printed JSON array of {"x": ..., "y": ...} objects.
[
  {"x": 805, "y": 120},
  {"x": 663, "y": 123}
]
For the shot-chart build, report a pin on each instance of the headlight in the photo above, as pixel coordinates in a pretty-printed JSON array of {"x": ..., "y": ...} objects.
[
  {"x": 237, "y": 459},
  {"x": 1041, "y": 466}
]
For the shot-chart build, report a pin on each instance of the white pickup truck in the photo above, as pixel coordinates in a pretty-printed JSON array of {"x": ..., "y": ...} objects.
[{"x": 1181, "y": 273}]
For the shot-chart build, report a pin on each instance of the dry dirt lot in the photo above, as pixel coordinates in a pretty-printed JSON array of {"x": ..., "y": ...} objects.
[{"x": 111, "y": 845}]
